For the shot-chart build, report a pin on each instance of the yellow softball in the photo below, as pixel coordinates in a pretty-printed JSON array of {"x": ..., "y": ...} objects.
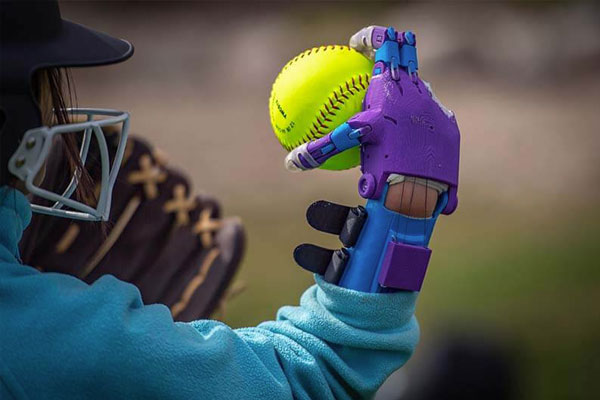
[{"x": 315, "y": 92}]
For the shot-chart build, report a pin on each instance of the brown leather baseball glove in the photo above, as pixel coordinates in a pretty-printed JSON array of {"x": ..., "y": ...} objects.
[{"x": 173, "y": 246}]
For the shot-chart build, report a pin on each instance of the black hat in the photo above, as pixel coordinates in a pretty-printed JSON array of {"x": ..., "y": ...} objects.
[{"x": 33, "y": 36}]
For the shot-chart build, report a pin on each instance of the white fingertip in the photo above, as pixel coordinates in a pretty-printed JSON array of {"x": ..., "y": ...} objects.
[
  {"x": 355, "y": 42},
  {"x": 290, "y": 165},
  {"x": 361, "y": 41}
]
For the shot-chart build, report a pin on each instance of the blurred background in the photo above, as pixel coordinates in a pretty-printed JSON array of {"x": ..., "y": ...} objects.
[{"x": 514, "y": 277}]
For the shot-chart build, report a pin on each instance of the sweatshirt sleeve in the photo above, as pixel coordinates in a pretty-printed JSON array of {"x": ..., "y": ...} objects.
[{"x": 62, "y": 338}]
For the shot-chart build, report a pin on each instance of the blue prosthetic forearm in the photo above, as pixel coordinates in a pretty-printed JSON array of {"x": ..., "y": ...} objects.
[
  {"x": 383, "y": 228},
  {"x": 383, "y": 251}
]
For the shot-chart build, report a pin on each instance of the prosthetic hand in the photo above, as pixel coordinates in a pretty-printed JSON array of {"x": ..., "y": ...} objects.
[{"x": 409, "y": 153}]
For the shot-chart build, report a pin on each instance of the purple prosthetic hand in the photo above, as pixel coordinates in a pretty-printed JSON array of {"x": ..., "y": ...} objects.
[{"x": 403, "y": 130}]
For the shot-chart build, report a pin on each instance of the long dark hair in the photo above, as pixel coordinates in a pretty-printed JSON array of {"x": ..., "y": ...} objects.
[
  {"x": 56, "y": 86},
  {"x": 58, "y": 83}
]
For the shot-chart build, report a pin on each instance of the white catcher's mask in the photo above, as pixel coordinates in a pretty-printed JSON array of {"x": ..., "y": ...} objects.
[{"x": 33, "y": 151}]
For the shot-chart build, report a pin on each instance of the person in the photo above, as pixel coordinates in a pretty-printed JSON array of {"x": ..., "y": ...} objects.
[{"x": 61, "y": 337}]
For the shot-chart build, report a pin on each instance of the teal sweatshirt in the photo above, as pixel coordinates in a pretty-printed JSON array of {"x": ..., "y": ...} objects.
[{"x": 61, "y": 338}]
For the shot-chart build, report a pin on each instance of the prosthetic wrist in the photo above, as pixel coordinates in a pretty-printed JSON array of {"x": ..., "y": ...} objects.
[{"x": 403, "y": 131}]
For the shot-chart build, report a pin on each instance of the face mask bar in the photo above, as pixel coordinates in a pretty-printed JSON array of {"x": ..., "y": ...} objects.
[{"x": 31, "y": 155}]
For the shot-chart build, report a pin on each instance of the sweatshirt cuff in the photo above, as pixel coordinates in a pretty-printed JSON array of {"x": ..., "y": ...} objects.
[{"x": 373, "y": 311}]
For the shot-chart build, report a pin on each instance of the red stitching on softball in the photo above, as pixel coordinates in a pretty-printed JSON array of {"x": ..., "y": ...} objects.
[{"x": 335, "y": 101}]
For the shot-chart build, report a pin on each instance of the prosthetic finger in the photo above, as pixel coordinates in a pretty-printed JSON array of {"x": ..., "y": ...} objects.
[
  {"x": 337, "y": 219},
  {"x": 327, "y": 217},
  {"x": 368, "y": 40},
  {"x": 313, "y": 258},
  {"x": 313, "y": 154},
  {"x": 319, "y": 260},
  {"x": 300, "y": 159}
]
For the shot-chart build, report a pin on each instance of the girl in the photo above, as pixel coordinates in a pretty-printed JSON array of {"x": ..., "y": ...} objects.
[{"x": 63, "y": 338}]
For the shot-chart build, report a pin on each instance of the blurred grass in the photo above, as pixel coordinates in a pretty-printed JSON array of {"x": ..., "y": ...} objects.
[
  {"x": 539, "y": 290},
  {"x": 531, "y": 282}
]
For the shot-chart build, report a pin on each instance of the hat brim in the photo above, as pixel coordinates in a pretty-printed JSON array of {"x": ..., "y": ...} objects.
[{"x": 79, "y": 46}]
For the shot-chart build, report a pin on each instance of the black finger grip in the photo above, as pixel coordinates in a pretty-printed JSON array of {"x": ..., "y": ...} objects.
[
  {"x": 327, "y": 217},
  {"x": 353, "y": 225},
  {"x": 313, "y": 258},
  {"x": 337, "y": 265}
]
